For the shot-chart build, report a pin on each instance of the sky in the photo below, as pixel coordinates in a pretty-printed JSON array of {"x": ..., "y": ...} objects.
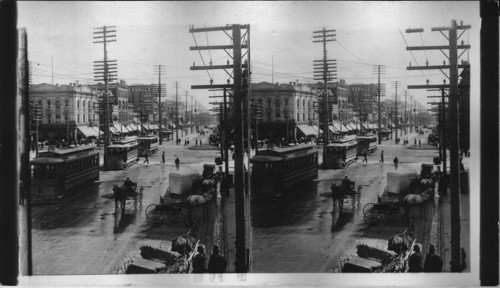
[{"x": 282, "y": 49}]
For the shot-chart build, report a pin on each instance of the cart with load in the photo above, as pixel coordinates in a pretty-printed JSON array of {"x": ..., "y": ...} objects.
[
  {"x": 391, "y": 204},
  {"x": 184, "y": 186},
  {"x": 376, "y": 260}
]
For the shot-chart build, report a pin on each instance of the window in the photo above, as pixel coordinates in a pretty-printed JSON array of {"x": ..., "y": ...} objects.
[
  {"x": 66, "y": 102},
  {"x": 78, "y": 104},
  {"x": 78, "y": 118},
  {"x": 49, "y": 116}
]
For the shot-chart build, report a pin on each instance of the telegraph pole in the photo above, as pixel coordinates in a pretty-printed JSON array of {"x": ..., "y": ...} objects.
[
  {"x": 240, "y": 42},
  {"x": 454, "y": 132},
  {"x": 380, "y": 69},
  {"x": 321, "y": 72},
  {"x": 158, "y": 69},
  {"x": 105, "y": 71},
  {"x": 177, "y": 110},
  {"x": 404, "y": 119},
  {"x": 395, "y": 84}
]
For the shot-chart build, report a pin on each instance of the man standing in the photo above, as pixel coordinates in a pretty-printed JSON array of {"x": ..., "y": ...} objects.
[
  {"x": 163, "y": 158},
  {"x": 217, "y": 263},
  {"x": 199, "y": 261},
  {"x": 415, "y": 261},
  {"x": 419, "y": 143},
  {"x": 366, "y": 159},
  {"x": 382, "y": 157},
  {"x": 147, "y": 159},
  {"x": 433, "y": 262},
  {"x": 177, "y": 162},
  {"x": 396, "y": 160}
]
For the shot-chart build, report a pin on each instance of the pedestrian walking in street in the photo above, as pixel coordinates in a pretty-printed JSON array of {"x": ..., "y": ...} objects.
[
  {"x": 177, "y": 162},
  {"x": 382, "y": 157},
  {"x": 366, "y": 159},
  {"x": 396, "y": 160},
  {"x": 163, "y": 158},
  {"x": 199, "y": 261},
  {"x": 217, "y": 263},
  {"x": 200, "y": 142},
  {"x": 433, "y": 262},
  {"x": 419, "y": 143},
  {"x": 415, "y": 144},
  {"x": 415, "y": 261},
  {"x": 147, "y": 158},
  {"x": 196, "y": 143}
]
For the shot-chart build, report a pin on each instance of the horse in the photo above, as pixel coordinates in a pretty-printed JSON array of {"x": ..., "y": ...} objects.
[
  {"x": 338, "y": 196},
  {"x": 193, "y": 201},
  {"x": 185, "y": 243},
  {"x": 120, "y": 196},
  {"x": 400, "y": 243},
  {"x": 418, "y": 199}
]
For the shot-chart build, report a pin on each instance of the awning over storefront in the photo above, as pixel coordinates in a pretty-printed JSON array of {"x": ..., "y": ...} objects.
[
  {"x": 352, "y": 126},
  {"x": 87, "y": 131},
  {"x": 307, "y": 130},
  {"x": 333, "y": 129},
  {"x": 315, "y": 128},
  {"x": 113, "y": 130},
  {"x": 96, "y": 130},
  {"x": 132, "y": 127}
]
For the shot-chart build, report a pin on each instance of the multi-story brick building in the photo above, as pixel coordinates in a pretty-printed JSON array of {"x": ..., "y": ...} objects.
[
  {"x": 364, "y": 100},
  {"x": 287, "y": 110},
  {"x": 119, "y": 97},
  {"x": 67, "y": 110},
  {"x": 142, "y": 99}
]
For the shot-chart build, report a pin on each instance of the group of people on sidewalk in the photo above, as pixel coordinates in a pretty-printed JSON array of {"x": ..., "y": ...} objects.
[
  {"x": 433, "y": 262},
  {"x": 216, "y": 263}
]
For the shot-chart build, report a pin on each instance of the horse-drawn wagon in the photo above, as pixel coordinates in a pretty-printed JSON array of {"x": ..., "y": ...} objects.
[
  {"x": 128, "y": 191},
  {"x": 340, "y": 193},
  {"x": 404, "y": 190},
  {"x": 376, "y": 260},
  {"x": 186, "y": 191},
  {"x": 157, "y": 261}
]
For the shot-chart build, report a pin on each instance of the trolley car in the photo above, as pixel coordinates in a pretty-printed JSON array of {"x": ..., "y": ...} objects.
[
  {"x": 340, "y": 152},
  {"x": 53, "y": 173},
  {"x": 147, "y": 145},
  {"x": 367, "y": 144},
  {"x": 275, "y": 171},
  {"x": 122, "y": 152}
]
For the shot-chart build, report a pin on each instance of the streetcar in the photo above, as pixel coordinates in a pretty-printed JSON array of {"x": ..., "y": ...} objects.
[
  {"x": 367, "y": 144},
  {"x": 275, "y": 171},
  {"x": 147, "y": 145},
  {"x": 54, "y": 173},
  {"x": 341, "y": 152},
  {"x": 122, "y": 153}
]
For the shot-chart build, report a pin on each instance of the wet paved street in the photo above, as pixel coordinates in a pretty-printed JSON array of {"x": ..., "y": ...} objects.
[
  {"x": 300, "y": 234},
  {"x": 82, "y": 234}
]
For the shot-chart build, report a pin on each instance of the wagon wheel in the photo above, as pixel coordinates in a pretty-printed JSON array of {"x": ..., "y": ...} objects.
[
  {"x": 370, "y": 213},
  {"x": 153, "y": 215}
]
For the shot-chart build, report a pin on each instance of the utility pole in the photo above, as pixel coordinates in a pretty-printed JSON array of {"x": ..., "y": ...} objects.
[
  {"x": 379, "y": 69},
  {"x": 395, "y": 84},
  {"x": 321, "y": 72},
  {"x": 176, "y": 111},
  {"x": 105, "y": 71},
  {"x": 52, "y": 60},
  {"x": 186, "y": 113},
  {"x": 157, "y": 70},
  {"x": 453, "y": 134},
  {"x": 191, "y": 116},
  {"x": 240, "y": 42},
  {"x": 405, "y": 123}
]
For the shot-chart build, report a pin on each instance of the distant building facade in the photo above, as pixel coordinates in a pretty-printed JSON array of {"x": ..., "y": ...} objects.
[
  {"x": 283, "y": 107},
  {"x": 364, "y": 100},
  {"x": 119, "y": 97},
  {"x": 64, "y": 109}
]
